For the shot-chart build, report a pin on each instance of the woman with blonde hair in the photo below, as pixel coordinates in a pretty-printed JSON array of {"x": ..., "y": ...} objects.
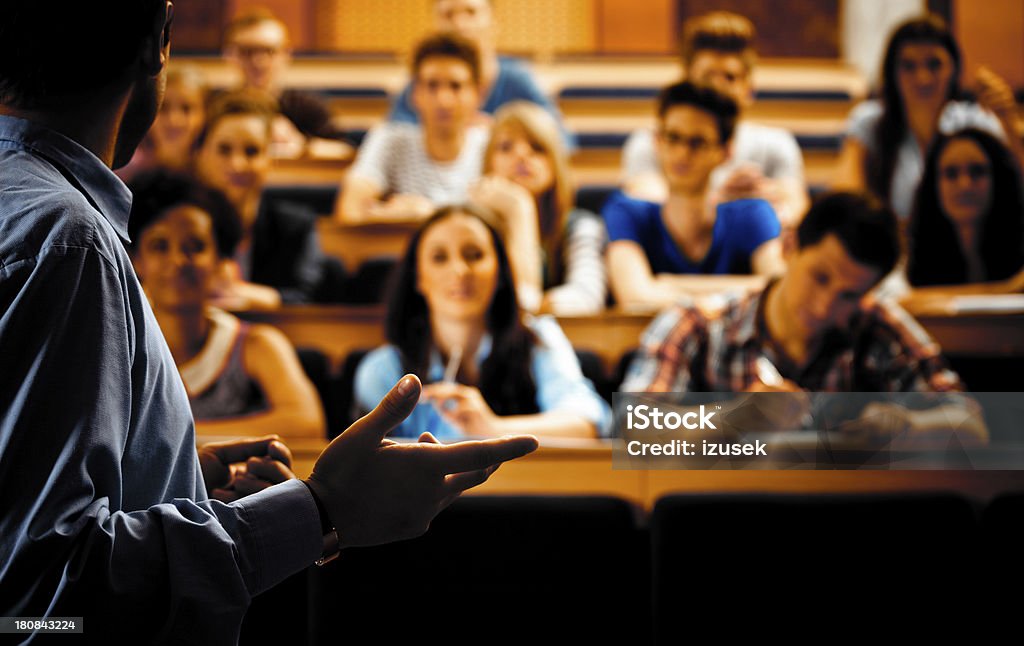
[{"x": 557, "y": 250}]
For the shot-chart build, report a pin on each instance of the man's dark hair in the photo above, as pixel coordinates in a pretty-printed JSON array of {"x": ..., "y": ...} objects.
[
  {"x": 56, "y": 49},
  {"x": 865, "y": 226},
  {"x": 706, "y": 98},
  {"x": 158, "y": 191},
  {"x": 447, "y": 45}
]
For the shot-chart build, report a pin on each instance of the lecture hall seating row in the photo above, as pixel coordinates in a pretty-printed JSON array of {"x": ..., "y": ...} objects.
[
  {"x": 602, "y": 100},
  {"x": 981, "y": 336},
  {"x": 593, "y": 569}
]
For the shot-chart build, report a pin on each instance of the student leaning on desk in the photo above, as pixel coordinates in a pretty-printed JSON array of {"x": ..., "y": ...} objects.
[
  {"x": 815, "y": 327},
  {"x": 658, "y": 252}
]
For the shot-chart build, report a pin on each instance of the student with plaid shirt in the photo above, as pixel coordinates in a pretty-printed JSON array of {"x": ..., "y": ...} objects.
[{"x": 815, "y": 327}]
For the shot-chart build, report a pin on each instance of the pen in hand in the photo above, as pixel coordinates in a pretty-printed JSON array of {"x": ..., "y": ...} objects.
[
  {"x": 771, "y": 377},
  {"x": 451, "y": 370}
]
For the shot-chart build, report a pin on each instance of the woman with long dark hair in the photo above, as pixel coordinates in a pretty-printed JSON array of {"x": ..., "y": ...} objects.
[
  {"x": 454, "y": 320},
  {"x": 920, "y": 98},
  {"x": 968, "y": 219}
]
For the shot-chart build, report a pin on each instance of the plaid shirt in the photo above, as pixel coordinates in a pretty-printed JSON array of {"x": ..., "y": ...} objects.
[{"x": 688, "y": 350}]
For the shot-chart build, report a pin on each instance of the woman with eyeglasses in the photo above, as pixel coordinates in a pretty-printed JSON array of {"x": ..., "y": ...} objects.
[
  {"x": 887, "y": 138},
  {"x": 967, "y": 226}
]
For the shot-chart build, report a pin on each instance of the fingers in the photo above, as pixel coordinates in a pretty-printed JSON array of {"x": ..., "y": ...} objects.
[
  {"x": 269, "y": 469},
  {"x": 456, "y": 483},
  {"x": 215, "y": 472},
  {"x": 278, "y": 451},
  {"x": 242, "y": 450},
  {"x": 473, "y": 456},
  {"x": 457, "y": 418},
  {"x": 447, "y": 398},
  {"x": 249, "y": 485},
  {"x": 879, "y": 421},
  {"x": 225, "y": 495},
  {"x": 371, "y": 429},
  {"x": 994, "y": 92}
]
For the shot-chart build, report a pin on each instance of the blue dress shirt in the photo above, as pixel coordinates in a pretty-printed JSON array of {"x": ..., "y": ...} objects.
[{"x": 104, "y": 511}]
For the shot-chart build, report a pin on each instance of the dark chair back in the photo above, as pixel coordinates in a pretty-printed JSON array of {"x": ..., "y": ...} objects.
[{"x": 520, "y": 569}]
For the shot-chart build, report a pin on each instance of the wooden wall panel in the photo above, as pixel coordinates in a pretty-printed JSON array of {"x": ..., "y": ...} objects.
[
  {"x": 785, "y": 28},
  {"x": 198, "y": 25},
  {"x": 636, "y": 27},
  {"x": 991, "y": 34},
  {"x": 298, "y": 15},
  {"x": 372, "y": 25},
  {"x": 544, "y": 27},
  {"x": 534, "y": 26}
]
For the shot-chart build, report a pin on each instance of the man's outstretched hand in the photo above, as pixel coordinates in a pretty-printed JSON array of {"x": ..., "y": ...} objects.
[{"x": 376, "y": 490}]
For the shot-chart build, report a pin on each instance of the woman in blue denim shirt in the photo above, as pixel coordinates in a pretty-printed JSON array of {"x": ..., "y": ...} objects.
[{"x": 453, "y": 319}]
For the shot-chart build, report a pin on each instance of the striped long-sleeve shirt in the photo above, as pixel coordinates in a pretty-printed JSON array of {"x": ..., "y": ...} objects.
[{"x": 585, "y": 285}]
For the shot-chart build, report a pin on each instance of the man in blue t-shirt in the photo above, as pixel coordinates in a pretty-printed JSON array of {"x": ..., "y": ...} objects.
[{"x": 655, "y": 249}]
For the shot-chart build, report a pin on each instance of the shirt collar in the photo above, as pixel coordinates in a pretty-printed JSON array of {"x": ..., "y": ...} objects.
[{"x": 81, "y": 167}]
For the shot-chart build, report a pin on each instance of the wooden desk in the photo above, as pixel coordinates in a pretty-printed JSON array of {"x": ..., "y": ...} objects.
[
  {"x": 333, "y": 330},
  {"x": 589, "y": 166},
  {"x": 356, "y": 243},
  {"x": 565, "y": 467},
  {"x": 337, "y": 330},
  {"x": 307, "y": 172},
  {"x": 371, "y": 76},
  {"x": 975, "y": 326}
]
